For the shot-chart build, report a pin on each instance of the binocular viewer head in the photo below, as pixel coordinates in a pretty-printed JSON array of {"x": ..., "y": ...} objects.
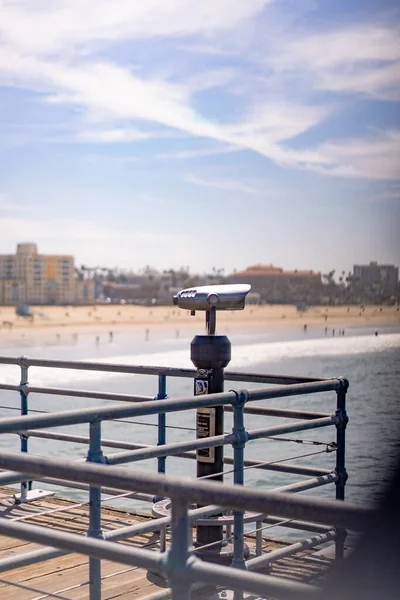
[{"x": 206, "y": 297}]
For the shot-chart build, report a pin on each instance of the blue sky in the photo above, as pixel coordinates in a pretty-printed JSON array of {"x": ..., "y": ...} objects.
[{"x": 216, "y": 133}]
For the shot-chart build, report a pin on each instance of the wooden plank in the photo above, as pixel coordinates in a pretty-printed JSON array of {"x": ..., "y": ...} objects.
[
  {"x": 20, "y": 549},
  {"x": 7, "y": 543}
]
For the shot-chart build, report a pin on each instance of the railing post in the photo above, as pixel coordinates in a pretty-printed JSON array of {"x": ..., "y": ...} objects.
[
  {"x": 95, "y": 455},
  {"x": 25, "y": 485},
  {"x": 179, "y": 553},
  {"x": 161, "y": 430},
  {"x": 162, "y": 421},
  {"x": 340, "y": 469},
  {"x": 240, "y": 550}
]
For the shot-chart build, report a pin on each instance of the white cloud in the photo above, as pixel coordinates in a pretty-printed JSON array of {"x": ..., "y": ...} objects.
[
  {"x": 114, "y": 93},
  {"x": 52, "y": 47},
  {"x": 115, "y": 135},
  {"x": 359, "y": 59},
  {"x": 230, "y": 185},
  {"x": 276, "y": 121},
  {"x": 380, "y": 82},
  {"x": 210, "y": 79},
  {"x": 111, "y": 93},
  {"x": 188, "y": 154},
  {"x": 370, "y": 158},
  {"x": 340, "y": 46},
  {"x": 209, "y": 49},
  {"x": 51, "y": 26}
]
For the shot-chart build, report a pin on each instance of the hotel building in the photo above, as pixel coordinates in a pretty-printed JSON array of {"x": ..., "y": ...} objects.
[{"x": 32, "y": 278}]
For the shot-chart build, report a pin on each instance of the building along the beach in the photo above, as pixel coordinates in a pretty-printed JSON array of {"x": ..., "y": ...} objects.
[
  {"x": 276, "y": 285},
  {"x": 384, "y": 276},
  {"x": 33, "y": 278}
]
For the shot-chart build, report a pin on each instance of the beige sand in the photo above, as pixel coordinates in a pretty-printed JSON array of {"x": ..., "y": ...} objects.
[{"x": 57, "y": 320}]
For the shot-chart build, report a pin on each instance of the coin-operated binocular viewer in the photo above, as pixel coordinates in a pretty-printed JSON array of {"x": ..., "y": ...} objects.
[{"x": 210, "y": 354}]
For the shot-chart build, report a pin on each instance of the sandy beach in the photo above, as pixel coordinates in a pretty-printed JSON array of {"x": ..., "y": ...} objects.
[{"x": 75, "y": 320}]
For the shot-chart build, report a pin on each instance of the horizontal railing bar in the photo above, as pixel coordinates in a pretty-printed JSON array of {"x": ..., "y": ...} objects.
[
  {"x": 87, "y": 415},
  {"x": 269, "y": 378},
  {"x": 157, "y": 524},
  {"x": 150, "y": 370},
  {"x": 72, "y": 417},
  {"x": 271, "y": 557},
  {"x": 97, "y": 366},
  {"x": 9, "y": 477},
  {"x": 213, "y": 441},
  {"x": 284, "y": 468},
  {"x": 202, "y": 492},
  {"x": 297, "y": 389},
  {"x": 80, "y": 439},
  {"x": 300, "y": 525},
  {"x": 309, "y": 484},
  {"x": 254, "y": 410},
  {"x": 30, "y": 558},
  {"x": 72, "y": 542},
  {"x": 169, "y": 449},
  {"x": 7, "y": 386},
  {"x": 280, "y": 412},
  {"x": 287, "y": 468},
  {"x": 102, "y": 549},
  {"x": 299, "y": 486},
  {"x": 30, "y": 389},
  {"x": 18, "y": 477},
  {"x": 255, "y": 434},
  {"x": 258, "y": 394},
  {"x": 43, "y": 554}
]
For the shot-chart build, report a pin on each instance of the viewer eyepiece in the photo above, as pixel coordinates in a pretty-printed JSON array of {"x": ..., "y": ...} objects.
[{"x": 220, "y": 297}]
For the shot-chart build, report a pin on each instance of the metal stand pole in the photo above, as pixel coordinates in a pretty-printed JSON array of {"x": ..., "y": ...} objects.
[
  {"x": 210, "y": 460},
  {"x": 210, "y": 354},
  {"x": 162, "y": 421},
  {"x": 341, "y": 534},
  {"x": 95, "y": 455}
]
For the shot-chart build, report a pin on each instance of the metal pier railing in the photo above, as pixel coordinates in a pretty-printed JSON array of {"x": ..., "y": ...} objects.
[{"x": 328, "y": 520}]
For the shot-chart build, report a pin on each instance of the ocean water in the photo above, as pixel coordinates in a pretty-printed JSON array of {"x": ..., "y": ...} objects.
[{"x": 370, "y": 362}]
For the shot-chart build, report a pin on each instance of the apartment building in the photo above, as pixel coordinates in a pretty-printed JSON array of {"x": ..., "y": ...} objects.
[
  {"x": 33, "y": 278},
  {"x": 385, "y": 276}
]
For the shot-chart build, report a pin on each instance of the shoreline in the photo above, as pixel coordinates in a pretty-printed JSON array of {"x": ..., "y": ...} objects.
[{"x": 57, "y": 321}]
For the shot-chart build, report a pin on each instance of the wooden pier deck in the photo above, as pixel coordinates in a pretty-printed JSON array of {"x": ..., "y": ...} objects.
[{"x": 67, "y": 576}]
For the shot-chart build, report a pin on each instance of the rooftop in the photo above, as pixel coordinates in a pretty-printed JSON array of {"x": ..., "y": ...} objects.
[{"x": 261, "y": 269}]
